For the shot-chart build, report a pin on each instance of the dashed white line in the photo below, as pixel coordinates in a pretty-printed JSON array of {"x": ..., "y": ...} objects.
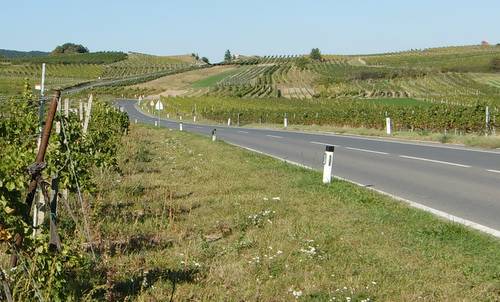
[
  {"x": 319, "y": 143},
  {"x": 242, "y": 132},
  {"x": 493, "y": 171},
  {"x": 365, "y": 150},
  {"x": 435, "y": 161},
  {"x": 274, "y": 136}
]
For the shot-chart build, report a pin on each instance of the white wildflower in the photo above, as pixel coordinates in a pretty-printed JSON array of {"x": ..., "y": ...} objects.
[{"x": 297, "y": 293}]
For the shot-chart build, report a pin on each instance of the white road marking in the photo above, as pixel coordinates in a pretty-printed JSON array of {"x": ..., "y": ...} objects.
[
  {"x": 242, "y": 132},
  {"x": 494, "y": 171},
  {"x": 319, "y": 143},
  {"x": 364, "y": 150},
  {"x": 274, "y": 136},
  {"x": 435, "y": 161}
]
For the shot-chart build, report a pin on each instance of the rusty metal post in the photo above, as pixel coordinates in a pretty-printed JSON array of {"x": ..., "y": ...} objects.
[{"x": 36, "y": 168}]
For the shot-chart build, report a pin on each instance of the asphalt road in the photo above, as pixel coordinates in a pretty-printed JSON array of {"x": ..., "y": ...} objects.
[{"x": 457, "y": 183}]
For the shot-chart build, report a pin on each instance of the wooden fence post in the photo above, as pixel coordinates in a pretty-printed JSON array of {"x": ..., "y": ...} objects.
[{"x": 35, "y": 172}]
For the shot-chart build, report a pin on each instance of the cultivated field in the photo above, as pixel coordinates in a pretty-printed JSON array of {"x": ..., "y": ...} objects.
[
  {"x": 187, "y": 83},
  {"x": 68, "y": 70}
]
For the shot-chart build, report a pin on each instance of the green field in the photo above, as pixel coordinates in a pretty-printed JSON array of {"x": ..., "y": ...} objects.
[{"x": 212, "y": 80}]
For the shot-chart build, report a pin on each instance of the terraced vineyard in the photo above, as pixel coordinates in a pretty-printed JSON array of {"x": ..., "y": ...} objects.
[
  {"x": 136, "y": 68},
  {"x": 138, "y": 64},
  {"x": 458, "y": 59},
  {"x": 437, "y": 75},
  {"x": 274, "y": 76}
]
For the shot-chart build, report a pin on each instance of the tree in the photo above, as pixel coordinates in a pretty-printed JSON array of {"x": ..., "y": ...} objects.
[
  {"x": 205, "y": 59},
  {"x": 315, "y": 54},
  {"x": 70, "y": 48},
  {"x": 227, "y": 56}
]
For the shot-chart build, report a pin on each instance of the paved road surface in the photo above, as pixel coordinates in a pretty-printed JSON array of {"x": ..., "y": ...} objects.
[{"x": 458, "y": 181}]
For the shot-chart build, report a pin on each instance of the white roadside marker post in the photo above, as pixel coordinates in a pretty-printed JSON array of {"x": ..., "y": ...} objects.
[
  {"x": 229, "y": 121},
  {"x": 487, "y": 121},
  {"x": 328, "y": 164},
  {"x": 180, "y": 126},
  {"x": 194, "y": 119},
  {"x": 214, "y": 135},
  {"x": 135, "y": 121},
  {"x": 388, "y": 125},
  {"x": 285, "y": 121},
  {"x": 156, "y": 123}
]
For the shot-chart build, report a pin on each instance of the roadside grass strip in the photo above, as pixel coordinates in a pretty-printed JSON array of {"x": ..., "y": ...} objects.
[{"x": 217, "y": 222}]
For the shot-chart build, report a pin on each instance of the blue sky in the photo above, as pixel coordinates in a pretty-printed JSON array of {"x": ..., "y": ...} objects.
[{"x": 247, "y": 27}]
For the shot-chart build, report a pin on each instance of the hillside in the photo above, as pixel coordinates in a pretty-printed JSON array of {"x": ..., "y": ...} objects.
[
  {"x": 10, "y": 54},
  {"x": 449, "y": 74},
  {"x": 71, "y": 69}
]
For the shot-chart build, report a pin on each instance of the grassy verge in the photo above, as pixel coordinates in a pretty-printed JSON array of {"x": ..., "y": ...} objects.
[{"x": 189, "y": 219}]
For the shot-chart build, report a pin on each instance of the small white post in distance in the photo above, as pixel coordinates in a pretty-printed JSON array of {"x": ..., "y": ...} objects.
[
  {"x": 285, "y": 121},
  {"x": 156, "y": 123},
  {"x": 80, "y": 108},
  {"x": 214, "y": 135},
  {"x": 180, "y": 126},
  {"x": 194, "y": 119},
  {"x": 135, "y": 121},
  {"x": 168, "y": 115},
  {"x": 388, "y": 125},
  {"x": 229, "y": 121},
  {"x": 328, "y": 164},
  {"x": 66, "y": 107}
]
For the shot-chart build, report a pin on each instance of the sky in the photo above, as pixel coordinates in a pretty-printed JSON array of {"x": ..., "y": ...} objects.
[{"x": 257, "y": 27}]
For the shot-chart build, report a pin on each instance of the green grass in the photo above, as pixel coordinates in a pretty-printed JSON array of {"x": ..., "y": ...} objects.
[
  {"x": 212, "y": 80},
  {"x": 189, "y": 219}
]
